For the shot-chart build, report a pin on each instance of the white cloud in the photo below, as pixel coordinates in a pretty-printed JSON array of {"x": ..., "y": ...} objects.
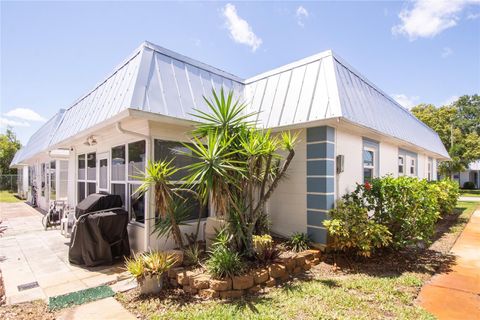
[
  {"x": 427, "y": 18},
  {"x": 406, "y": 101},
  {"x": 447, "y": 51},
  {"x": 240, "y": 30},
  {"x": 301, "y": 14},
  {"x": 4, "y": 122},
  {"x": 25, "y": 114},
  {"x": 473, "y": 16},
  {"x": 450, "y": 100}
]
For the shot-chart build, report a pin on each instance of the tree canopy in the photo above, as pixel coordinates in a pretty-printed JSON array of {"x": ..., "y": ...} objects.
[
  {"x": 9, "y": 144},
  {"x": 458, "y": 126}
]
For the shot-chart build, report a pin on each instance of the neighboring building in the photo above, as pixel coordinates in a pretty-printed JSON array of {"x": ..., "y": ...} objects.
[
  {"x": 472, "y": 174},
  {"x": 350, "y": 131}
]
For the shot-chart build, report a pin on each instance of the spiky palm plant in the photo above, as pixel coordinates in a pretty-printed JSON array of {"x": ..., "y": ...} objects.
[{"x": 158, "y": 176}]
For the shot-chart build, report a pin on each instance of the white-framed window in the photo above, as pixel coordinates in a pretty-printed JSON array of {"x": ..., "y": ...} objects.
[
  {"x": 86, "y": 175},
  {"x": 128, "y": 162},
  {"x": 430, "y": 170},
  {"x": 401, "y": 165},
  {"x": 43, "y": 172},
  {"x": 369, "y": 158},
  {"x": 179, "y": 155},
  {"x": 52, "y": 180},
  {"x": 413, "y": 167}
]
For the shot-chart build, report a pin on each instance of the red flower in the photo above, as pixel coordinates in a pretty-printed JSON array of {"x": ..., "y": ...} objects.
[{"x": 368, "y": 186}]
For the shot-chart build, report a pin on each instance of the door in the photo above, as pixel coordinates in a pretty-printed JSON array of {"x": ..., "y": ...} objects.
[{"x": 103, "y": 172}]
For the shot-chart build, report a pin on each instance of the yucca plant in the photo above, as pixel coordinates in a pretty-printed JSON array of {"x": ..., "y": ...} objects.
[
  {"x": 153, "y": 263},
  {"x": 299, "y": 242},
  {"x": 136, "y": 267},
  {"x": 158, "y": 176}
]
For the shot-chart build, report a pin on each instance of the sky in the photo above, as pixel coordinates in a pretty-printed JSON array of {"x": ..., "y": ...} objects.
[{"x": 52, "y": 53}]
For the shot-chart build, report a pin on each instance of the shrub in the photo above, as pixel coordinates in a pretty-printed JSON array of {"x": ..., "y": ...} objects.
[
  {"x": 447, "y": 193},
  {"x": 223, "y": 261},
  {"x": 153, "y": 263},
  {"x": 353, "y": 230},
  {"x": 469, "y": 185},
  {"x": 298, "y": 242},
  {"x": 192, "y": 255},
  {"x": 264, "y": 248}
]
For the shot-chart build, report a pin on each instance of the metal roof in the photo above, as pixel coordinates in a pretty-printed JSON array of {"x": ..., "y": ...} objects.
[
  {"x": 40, "y": 140},
  {"x": 157, "y": 80},
  {"x": 474, "y": 165}
]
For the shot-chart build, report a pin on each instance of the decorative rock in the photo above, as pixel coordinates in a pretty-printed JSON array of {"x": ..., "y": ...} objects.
[
  {"x": 190, "y": 290},
  {"x": 183, "y": 277},
  {"x": 260, "y": 276},
  {"x": 315, "y": 253},
  {"x": 297, "y": 270},
  {"x": 221, "y": 284},
  {"x": 299, "y": 260},
  {"x": 307, "y": 266},
  {"x": 286, "y": 277},
  {"x": 277, "y": 270},
  {"x": 208, "y": 293},
  {"x": 231, "y": 294},
  {"x": 172, "y": 273},
  {"x": 242, "y": 282},
  {"x": 173, "y": 283},
  {"x": 315, "y": 261},
  {"x": 254, "y": 289},
  {"x": 271, "y": 282},
  {"x": 201, "y": 281}
]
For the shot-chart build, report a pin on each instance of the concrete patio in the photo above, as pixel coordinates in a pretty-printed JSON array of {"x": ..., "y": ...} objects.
[{"x": 29, "y": 254}]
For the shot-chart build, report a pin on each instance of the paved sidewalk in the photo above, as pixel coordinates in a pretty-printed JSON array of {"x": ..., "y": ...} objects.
[
  {"x": 456, "y": 294},
  {"x": 105, "y": 309},
  {"x": 31, "y": 254},
  {"x": 474, "y": 199}
]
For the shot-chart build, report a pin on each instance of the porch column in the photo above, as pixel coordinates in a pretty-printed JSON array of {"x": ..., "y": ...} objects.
[
  {"x": 320, "y": 180},
  {"x": 149, "y": 206}
]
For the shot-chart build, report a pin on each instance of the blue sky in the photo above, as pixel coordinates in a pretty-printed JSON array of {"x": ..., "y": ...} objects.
[{"x": 54, "y": 52}]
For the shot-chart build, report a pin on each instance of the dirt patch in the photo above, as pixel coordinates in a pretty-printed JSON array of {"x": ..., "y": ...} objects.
[{"x": 37, "y": 309}]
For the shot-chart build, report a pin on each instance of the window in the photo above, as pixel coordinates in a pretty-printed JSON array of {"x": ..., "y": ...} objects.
[
  {"x": 123, "y": 182},
  {"x": 103, "y": 174},
  {"x": 401, "y": 165},
  {"x": 118, "y": 163},
  {"x": 429, "y": 170},
  {"x": 180, "y": 156},
  {"x": 91, "y": 166},
  {"x": 137, "y": 204},
  {"x": 87, "y": 175},
  {"x": 368, "y": 164},
  {"x": 63, "y": 179},
  {"x": 175, "y": 152},
  {"x": 412, "y": 167},
  {"x": 42, "y": 186},
  {"x": 136, "y": 159},
  {"x": 52, "y": 179},
  {"x": 81, "y": 167}
]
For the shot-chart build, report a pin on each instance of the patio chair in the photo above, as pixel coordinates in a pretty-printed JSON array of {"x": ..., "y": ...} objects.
[
  {"x": 67, "y": 222},
  {"x": 54, "y": 215}
]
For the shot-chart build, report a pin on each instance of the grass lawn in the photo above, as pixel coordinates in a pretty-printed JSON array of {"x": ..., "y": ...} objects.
[
  {"x": 339, "y": 288},
  {"x": 6, "y": 196},
  {"x": 469, "y": 193}
]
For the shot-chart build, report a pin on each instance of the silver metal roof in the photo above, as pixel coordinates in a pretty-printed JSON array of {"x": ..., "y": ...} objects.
[
  {"x": 158, "y": 80},
  {"x": 40, "y": 140}
]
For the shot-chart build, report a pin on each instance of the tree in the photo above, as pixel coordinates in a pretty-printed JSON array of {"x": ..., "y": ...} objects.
[
  {"x": 238, "y": 166},
  {"x": 458, "y": 126},
  {"x": 9, "y": 145}
]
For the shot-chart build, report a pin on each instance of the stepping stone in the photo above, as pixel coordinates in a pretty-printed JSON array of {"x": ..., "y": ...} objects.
[{"x": 105, "y": 309}]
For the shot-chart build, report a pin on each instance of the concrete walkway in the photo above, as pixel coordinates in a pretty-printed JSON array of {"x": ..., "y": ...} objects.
[
  {"x": 105, "y": 309},
  {"x": 475, "y": 199},
  {"x": 30, "y": 254},
  {"x": 456, "y": 294}
]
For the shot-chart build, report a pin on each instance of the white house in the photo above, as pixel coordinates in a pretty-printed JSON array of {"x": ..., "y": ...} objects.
[
  {"x": 350, "y": 131},
  {"x": 472, "y": 174}
]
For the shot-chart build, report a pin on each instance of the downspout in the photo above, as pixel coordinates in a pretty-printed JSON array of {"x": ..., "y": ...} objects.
[{"x": 148, "y": 194}]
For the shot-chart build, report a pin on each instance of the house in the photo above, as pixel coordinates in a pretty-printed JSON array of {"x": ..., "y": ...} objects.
[
  {"x": 471, "y": 175},
  {"x": 350, "y": 131}
]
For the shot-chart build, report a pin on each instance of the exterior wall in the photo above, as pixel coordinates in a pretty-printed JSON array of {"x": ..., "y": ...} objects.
[
  {"x": 388, "y": 159},
  {"x": 288, "y": 205},
  {"x": 350, "y": 146},
  {"x": 320, "y": 180}
]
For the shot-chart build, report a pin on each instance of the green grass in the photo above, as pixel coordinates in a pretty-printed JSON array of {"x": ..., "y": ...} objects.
[
  {"x": 6, "y": 196},
  {"x": 79, "y": 297},
  {"x": 469, "y": 193},
  {"x": 465, "y": 210}
]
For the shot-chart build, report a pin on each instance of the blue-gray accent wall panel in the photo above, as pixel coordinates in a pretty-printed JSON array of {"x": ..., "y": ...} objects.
[
  {"x": 321, "y": 150},
  {"x": 317, "y": 235},
  {"x": 321, "y": 134},
  {"x": 316, "y": 218},
  {"x": 322, "y": 185},
  {"x": 320, "y": 167}
]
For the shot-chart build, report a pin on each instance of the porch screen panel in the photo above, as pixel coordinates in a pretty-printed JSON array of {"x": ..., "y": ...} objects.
[
  {"x": 63, "y": 179},
  {"x": 81, "y": 167},
  {"x": 103, "y": 174},
  {"x": 91, "y": 166},
  {"x": 118, "y": 163},
  {"x": 136, "y": 159},
  {"x": 53, "y": 182}
]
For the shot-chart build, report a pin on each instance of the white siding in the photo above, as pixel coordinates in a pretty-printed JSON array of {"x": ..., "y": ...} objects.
[{"x": 349, "y": 145}]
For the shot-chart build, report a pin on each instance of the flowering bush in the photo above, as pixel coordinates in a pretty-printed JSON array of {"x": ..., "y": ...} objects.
[{"x": 407, "y": 207}]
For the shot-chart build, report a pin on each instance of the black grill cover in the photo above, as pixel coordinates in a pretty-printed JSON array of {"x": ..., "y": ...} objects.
[
  {"x": 97, "y": 202},
  {"x": 99, "y": 238}
]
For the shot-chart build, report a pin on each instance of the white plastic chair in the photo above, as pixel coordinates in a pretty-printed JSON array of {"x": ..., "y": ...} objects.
[{"x": 67, "y": 222}]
